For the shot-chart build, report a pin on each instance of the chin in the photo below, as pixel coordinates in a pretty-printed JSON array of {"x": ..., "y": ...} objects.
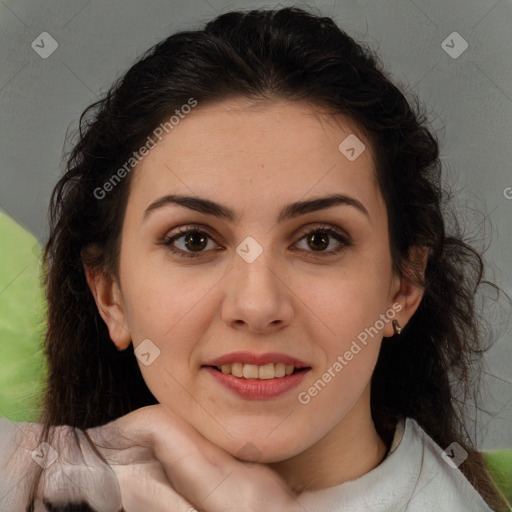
[
  {"x": 264, "y": 450},
  {"x": 256, "y": 439}
]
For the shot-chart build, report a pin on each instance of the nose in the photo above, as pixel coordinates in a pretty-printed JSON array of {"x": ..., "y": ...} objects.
[{"x": 258, "y": 295}]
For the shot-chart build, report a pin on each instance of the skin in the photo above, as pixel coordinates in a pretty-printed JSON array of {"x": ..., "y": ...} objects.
[{"x": 294, "y": 298}]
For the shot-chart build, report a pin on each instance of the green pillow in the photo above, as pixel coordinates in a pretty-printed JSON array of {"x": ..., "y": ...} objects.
[
  {"x": 22, "y": 322},
  {"x": 499, "y": 463}
]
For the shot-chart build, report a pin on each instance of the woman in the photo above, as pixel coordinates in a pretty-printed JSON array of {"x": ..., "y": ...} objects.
[{"x": 252, "y": 218}]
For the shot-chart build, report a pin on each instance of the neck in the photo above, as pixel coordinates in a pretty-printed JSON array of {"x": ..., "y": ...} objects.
[{"x": 350, "y": 450}]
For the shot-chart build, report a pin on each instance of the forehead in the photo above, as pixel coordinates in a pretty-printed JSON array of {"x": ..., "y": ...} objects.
[{"x": 240, "y": 148}]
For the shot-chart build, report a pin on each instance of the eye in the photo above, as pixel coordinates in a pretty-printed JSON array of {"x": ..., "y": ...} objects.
[
  {"x": 319, "y": 239},
  {"x": 195, "y": 241}
]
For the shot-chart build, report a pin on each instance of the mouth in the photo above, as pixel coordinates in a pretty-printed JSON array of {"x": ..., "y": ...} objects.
[{"x": 257, "y": 377}]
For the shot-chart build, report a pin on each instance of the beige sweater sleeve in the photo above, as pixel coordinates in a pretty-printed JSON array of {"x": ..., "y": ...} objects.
[
  {"x": 17, "y": 465},
  {"x": 71, "y": 470}
]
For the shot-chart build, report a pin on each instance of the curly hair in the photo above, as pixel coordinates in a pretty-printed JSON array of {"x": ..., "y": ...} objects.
[{"x": 425, "y": 374}]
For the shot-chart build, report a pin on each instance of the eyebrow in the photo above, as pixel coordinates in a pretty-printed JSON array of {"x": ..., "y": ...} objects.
[{"x": 289, "y": 211}]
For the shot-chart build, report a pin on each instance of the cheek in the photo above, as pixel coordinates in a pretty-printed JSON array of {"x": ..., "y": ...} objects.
[
  {"x": 160, "y": 299},
  {"x": 347, "y": 309},
  {"x": 339, "y": 384},
  {"x": 345, "y": 301}
]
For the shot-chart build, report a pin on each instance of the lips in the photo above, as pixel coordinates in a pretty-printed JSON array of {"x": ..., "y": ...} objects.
[{"x": 257, "y": 376}]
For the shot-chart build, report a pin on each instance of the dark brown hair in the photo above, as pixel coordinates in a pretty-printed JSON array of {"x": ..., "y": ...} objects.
[{"x": 425, "y": 373}]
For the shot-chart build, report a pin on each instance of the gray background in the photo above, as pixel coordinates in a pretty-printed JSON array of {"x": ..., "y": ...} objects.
[{"x": 468, "y": 99}]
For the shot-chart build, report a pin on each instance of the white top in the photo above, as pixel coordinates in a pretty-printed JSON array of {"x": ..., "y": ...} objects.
[{"x": 414, "y": 477}]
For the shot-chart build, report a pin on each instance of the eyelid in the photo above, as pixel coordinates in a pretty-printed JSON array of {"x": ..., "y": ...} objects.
[
  {"x": 183, "y": 230},
  {"x": 321, "y": 226}
]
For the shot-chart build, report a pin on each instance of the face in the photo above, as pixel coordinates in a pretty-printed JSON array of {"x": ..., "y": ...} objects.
[{"x": 272, "y": 284}]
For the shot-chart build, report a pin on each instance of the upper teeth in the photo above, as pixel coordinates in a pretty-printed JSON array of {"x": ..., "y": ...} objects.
[{"x": 252, "y": 371}]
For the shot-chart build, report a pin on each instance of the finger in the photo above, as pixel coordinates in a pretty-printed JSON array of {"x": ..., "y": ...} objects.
[
  {"x": 144, "y": 487},
  {"x": 135, "y": 436},
  {"x": 123, "y": 441}
]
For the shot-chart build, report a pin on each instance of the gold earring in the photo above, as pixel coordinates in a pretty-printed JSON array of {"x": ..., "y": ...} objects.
[{"x": 397, "y": 327}]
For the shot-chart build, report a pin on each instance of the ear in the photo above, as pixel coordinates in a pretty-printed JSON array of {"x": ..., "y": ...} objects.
[
  {"x": 407, "y": 296},
  {"x": 108, "y": 298}
]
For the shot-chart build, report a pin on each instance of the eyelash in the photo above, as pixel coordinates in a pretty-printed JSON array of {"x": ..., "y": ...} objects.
[{"x": 168, "y": 241}]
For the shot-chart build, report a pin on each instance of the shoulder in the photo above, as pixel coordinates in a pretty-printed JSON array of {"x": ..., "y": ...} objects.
[
  {"x": 414, "y": 477},
  {"x": 440, "y": 484}
]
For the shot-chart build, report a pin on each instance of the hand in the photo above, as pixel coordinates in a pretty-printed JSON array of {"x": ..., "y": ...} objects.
[
  {"x": 182, "y": 465},
  {"x": 156, "y": 461}
]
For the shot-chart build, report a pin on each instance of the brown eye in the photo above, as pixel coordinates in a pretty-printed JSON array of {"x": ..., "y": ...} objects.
[
  {"x": 319, "y": 239},
  {"x": 194, "y": 242}
]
